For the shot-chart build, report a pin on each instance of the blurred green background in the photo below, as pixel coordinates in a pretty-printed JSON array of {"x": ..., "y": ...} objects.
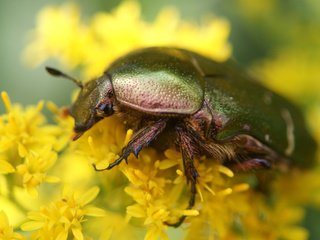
[{"x": 259, "y": 29}]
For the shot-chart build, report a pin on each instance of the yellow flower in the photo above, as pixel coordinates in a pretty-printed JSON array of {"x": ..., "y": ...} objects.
[
  {"x": 109, "y": 35},
  {"x": 59, "y": 43},
  {"x": 35, "y": 167},
  {"x": 6, "y": 231},
  {"x": 276, "y": 220},
  {"x": 22, "y": 130},
  {"x": 28, "y": 145},
  {"x": 64, "y": 217},
  {"x": 293, "y": 73},
  {"x": 5, "y": 166}
]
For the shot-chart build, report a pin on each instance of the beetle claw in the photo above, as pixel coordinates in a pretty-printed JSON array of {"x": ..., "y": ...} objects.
[
  {"x": 96, "y": 169},
  {"x": 190, "y": 206}
]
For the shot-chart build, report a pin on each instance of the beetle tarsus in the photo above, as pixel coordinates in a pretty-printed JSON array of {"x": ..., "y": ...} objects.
[
  {"x": 192, "y": 201},
  {"x": 116, "y": 162},
  {"x": 97, "y": 169}
]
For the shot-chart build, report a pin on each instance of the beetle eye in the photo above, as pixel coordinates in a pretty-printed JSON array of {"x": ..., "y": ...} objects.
[{"x": 104, "y": 109}]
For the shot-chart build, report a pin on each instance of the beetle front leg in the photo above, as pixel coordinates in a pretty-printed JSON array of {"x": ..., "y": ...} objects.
[
  {"x": 139, "y": 140},
  {"x": 187, "y": 149}
]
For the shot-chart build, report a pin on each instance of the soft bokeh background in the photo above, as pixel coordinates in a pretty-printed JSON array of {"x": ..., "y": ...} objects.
[{"x": 269, "y": 38}]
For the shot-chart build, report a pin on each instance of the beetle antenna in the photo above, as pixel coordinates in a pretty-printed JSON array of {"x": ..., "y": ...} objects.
[{"x": 57, "y": 73}]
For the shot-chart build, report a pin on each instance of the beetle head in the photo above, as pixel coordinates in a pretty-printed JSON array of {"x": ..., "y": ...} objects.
[{"x": 94, "y": 102}]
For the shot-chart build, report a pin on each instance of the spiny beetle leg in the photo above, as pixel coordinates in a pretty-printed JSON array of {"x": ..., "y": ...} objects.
[
  {"x": 140, "y": 140},
  {"x": 187, "y": 150},
  {"x": 117, "y": 162}
]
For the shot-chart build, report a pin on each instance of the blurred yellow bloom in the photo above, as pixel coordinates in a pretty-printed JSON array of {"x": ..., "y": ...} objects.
[
  {"x": 60, "y": 42},
  {"x": 64, "y": 217},
  {"x": 292, "y": 73},
  {"x": 109, "y": 35},
  {"x": 6, "y": 231}
]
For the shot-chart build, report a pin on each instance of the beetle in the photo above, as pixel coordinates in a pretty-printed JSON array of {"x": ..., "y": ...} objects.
[{"x": 209, "y": 108}]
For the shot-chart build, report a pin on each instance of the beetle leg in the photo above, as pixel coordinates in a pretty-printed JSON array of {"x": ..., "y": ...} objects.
[
  {"x": 254, "y": 155},
  {"x": 252, "y": 164},
  {"x": 140, "y": 140},
  {"x": 187, "y": 149}
]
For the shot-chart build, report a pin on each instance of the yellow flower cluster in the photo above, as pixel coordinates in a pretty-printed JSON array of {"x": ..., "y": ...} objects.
[
  {"x": 64, "y": 216},
  {"x": 110, "y": 35},
  {"x": 6, "y": 231},
  {"x": 298, "y": 73},
  {"x": 135, "y": 200},
  {"x": 28, "y": 145}
]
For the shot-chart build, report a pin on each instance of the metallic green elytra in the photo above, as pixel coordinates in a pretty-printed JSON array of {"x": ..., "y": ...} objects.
[{"x": 201, "y": 106}]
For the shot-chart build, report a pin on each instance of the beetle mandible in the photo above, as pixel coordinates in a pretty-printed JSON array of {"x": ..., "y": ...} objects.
[{"x": 212, "y": 109}]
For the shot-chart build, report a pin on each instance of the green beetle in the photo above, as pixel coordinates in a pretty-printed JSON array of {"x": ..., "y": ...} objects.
[{"x": 209, "y": 108}]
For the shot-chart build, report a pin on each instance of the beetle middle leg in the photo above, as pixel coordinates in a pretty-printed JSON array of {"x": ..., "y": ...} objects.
[
  {"x": 140, "y": 139},
  {"x": 187, "y": 148}
]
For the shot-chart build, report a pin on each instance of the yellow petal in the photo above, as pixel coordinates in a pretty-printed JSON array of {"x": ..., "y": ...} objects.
[
  {"x": 172, "y": 154},
  {"x": 225, "y": 171},
  {"x": 53, "y": 107},
  {"x": 225, "y": 192},
  {"x": 241, "y": 187},
  {"x": 6, "y": 167},
  {"x": 167, "y": 163},
  {"x": 32, "y": 191},
  {"x": 3, "y": 220},
  {"x": 128, "y": 136},
  {"x": 77, "y": 233},
  {"x": 32, "y": 225},
  {"x": 89, "y": 196},
  {"x": 190, "y": 212},
  {"x": 101, "y": 165},
  {"x": 22, "y": 150},
  {"x": 35, "y": 216},
  {"x": 94, "y": 211},
  {"x": 63, "y": 235},
  {"x": 136, "y": 211},
  {"x": 52, "y": 179},
  {"x": 152, "y": 233},
  {"x": 6, "y": 101},
  {"x": 159, "y": 213}
]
